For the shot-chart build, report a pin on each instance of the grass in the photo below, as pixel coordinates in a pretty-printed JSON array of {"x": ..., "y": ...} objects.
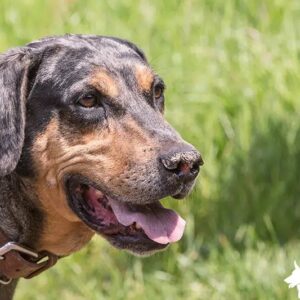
[
  {"x": 232, "y": 70},
  {"x": 98, "y": 272}
]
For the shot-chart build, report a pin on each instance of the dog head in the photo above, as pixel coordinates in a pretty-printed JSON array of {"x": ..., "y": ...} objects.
[{"x": 82, "y": 119}]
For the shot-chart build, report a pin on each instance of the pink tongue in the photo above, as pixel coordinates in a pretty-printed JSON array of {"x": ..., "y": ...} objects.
[{"x": 159, "y": 224}]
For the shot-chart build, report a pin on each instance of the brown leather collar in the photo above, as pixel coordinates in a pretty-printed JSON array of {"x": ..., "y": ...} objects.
[{"x": 18, "y": 261}]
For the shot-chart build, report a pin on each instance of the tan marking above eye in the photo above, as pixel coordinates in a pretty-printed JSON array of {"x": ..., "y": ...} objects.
[
  {"x": 145, "y": 77},
  {"x": 104, "y": 83}
]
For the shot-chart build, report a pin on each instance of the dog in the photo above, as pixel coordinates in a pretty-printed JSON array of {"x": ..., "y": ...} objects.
[{"x": 85, "y": 149}]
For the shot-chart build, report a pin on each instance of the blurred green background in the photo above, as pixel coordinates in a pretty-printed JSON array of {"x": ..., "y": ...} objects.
[{"x": 232, "y": 71}]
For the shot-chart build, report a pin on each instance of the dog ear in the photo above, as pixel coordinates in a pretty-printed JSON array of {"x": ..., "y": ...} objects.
[{"x": 14, "y": 67}]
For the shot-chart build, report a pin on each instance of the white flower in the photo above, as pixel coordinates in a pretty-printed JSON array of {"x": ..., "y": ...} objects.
[{"x": 294, "y": 279}]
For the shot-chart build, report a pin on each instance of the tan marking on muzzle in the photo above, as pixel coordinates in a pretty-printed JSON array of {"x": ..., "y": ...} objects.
[
  {"x": 63, "y": 232},
  {"x": 102, "y": 155}
]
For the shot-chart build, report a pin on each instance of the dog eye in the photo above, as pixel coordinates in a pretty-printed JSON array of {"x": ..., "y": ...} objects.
[
  {"x": 158, "y": 91},
  {"x": 88, "y": 101}
]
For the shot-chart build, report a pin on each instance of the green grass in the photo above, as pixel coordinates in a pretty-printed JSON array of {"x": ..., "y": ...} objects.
[
  {"x": 99, "y": 272},
  {"x": 232, "y": 71}
]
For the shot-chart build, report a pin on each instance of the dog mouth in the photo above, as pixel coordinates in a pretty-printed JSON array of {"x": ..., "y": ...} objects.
[{"x": 138, "y": 228}]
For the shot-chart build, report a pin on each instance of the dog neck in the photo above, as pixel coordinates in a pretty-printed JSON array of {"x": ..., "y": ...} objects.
[
  {"x": 7, "y": 291},
  {"x": 26, "y": 219},
  {"x": 20, "y": 218}
]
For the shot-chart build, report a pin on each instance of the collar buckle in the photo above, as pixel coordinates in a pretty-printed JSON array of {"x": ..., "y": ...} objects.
[
  {"x": 5, "y": 281},
  {"x": 10, "y": 246},
  {"x": 29, "y": 267}
]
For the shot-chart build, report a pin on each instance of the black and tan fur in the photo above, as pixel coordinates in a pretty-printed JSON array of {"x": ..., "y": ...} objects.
[{"x": 45, "y": 136}]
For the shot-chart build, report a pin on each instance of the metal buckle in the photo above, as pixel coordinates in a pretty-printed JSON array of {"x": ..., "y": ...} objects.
[
  {"x": 46, "y": 261},
  {"x": 16, "y": 247},
  {"x": 5, "y": 281}
]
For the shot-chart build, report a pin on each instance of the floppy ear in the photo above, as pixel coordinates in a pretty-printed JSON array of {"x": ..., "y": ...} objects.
[{"x": 14, "y": 66}]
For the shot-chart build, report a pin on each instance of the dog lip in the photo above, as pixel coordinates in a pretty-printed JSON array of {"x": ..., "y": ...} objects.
[
  {"x": 118, "y": 235},
  {"x": 180, "y": 193},
  {"x": 179, "y": 196}
]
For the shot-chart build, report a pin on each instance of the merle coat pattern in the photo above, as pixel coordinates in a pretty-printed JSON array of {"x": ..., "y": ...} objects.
[{"x": 40, "y": 124}]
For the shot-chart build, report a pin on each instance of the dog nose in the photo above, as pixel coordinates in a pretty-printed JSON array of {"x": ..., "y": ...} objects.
[{"x": 185, "y": 163}]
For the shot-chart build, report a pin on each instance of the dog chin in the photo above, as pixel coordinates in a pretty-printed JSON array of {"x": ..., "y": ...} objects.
[
  {"x": 184, "y": 191},
  {"x": 145, "y": 253}
]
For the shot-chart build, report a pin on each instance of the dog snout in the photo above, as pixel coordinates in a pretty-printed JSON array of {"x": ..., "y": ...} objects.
[{"x": 184, "y": 161}]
